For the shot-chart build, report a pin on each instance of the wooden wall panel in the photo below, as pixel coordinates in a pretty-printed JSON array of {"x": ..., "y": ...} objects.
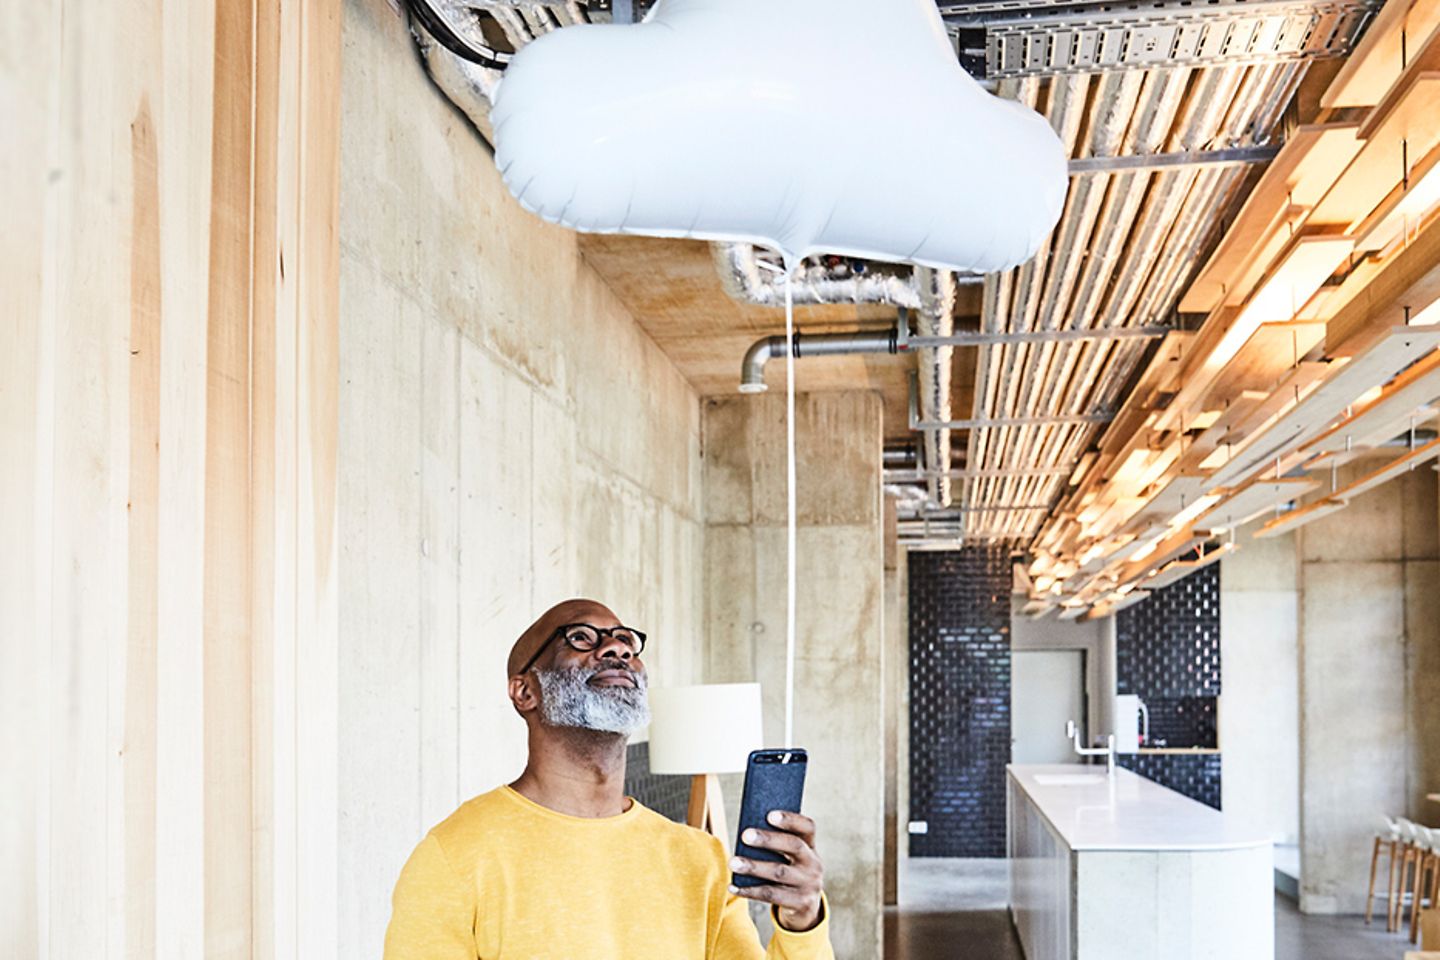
[
  {"x": 162, "y": 151},
  {"x": 29, "y": 52}
]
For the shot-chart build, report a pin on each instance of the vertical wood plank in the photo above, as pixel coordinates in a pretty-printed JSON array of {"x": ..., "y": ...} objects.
[
  {"x": 28, "y": 68},
  {"x": 183, "y": 96},
  {"x": 271, "y": 514},
  {"x": 84, "y": 409},
  {"x": 317, "y": 620},
  {"x": 294, "y": 437},
  {"x": 143, "y": 503},
  {"x": 227, "y": 586}
]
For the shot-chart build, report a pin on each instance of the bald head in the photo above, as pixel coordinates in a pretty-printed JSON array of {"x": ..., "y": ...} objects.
[{"x": 568, "y": 611}]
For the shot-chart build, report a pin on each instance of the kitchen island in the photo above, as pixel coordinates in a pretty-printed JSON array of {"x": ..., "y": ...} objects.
[{"x": 1120, "y": 868}]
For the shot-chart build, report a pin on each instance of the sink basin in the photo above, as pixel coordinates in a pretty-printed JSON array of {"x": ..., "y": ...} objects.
[{"x": 1068, "y": 779}]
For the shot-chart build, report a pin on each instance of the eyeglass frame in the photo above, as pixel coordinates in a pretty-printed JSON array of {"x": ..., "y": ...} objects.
[{"x": 600, "y": 633}]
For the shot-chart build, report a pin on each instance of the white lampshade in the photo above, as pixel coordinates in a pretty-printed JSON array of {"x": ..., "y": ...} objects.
[{"x": 704, "y": 729}]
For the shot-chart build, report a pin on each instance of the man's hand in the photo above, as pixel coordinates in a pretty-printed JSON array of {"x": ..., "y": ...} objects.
[{"x": 793, "y": 886}]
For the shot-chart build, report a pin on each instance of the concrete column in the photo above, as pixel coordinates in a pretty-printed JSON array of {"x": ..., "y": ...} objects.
[
  {"x": 1260, "y": 700},
  {"x": 839, "y": 686},
  {"x": 1369, "y": 577},
  {"x": 895, "y": 664}
]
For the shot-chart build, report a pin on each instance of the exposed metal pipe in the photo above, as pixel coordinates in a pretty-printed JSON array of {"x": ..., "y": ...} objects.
[
  {"x": 929, "y": 293},
  {"x": 935, "y": 317},
  {"x": 762, "y": 351},
  {"x": 744, "y": 279},
  {"x": 896, "y": 456}
]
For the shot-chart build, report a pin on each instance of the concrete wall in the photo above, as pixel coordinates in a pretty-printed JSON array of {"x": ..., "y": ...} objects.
[
  {"x": 508, "y": 437},
  {"x": 1369, "y": 576},
  {"x": 838, "y": 683},
  {"x": 1259, "y": 664}
]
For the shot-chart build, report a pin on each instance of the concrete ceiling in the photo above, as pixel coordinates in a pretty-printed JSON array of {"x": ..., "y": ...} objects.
[{"x": 673, "y": 291}]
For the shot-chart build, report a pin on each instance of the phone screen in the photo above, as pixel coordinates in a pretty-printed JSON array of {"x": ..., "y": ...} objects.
[{"x": 774, "y": 780}]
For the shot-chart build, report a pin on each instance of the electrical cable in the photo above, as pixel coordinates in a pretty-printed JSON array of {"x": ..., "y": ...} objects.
[{"x": 789, "y": 505}]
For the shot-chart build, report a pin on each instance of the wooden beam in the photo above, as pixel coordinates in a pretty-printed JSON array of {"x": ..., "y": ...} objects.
[
  {"x": 1308, "y": 164},
  {"x": 1376, "y": 62},
  {"x": 1406, "y": 285},
  {"x": 1402, "y": 126},
  {"x": 1299, "y": 518}
]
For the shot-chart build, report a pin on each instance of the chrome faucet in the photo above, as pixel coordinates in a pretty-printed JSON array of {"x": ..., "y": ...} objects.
[{"x": 1073, "y": 732}]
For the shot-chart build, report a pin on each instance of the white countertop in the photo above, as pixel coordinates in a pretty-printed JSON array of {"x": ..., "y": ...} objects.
[{"x": 1126, "y": 812}]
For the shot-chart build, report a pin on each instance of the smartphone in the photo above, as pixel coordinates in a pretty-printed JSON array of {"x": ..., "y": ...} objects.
[{"x": 774, "y": 780}]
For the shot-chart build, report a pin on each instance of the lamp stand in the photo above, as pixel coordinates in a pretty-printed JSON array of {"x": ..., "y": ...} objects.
[{"x": 707, "y": 808}]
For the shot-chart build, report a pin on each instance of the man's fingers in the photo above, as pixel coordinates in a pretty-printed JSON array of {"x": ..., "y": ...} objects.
[
  {"x": 781, "y": 873},
  {"x": 786, "y": 843},
  {"x": 789, "y": 897},
  {"x": 796, "y": 823}
]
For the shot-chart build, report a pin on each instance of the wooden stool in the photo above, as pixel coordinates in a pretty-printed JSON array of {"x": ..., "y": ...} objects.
[
  {"x": 1427, "y": 873},
  {"x": 1396, "y": 907},
  {"x": 1412, "y": 862},
  {"x": 1387, "y": 837}
]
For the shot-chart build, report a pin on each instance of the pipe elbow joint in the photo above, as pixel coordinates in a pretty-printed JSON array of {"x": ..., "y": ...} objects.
[{"x": 752, "y": 369}]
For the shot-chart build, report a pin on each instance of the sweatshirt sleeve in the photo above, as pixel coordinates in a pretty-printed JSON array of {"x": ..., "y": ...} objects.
[
  {"x": 739, "y": 939},
  {"x": 432, "y": 913}
]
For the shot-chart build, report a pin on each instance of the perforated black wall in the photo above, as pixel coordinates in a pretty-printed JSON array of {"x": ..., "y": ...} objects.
[
  {"x": 959, "y": 700},
  {"x": 1168, "y": 653}
]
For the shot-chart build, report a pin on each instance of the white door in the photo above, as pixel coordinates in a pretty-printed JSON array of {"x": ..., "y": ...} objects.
[{"x": 1047, "y": 688}]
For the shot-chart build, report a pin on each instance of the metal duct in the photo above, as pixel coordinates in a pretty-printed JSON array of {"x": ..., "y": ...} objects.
[
  {"x": 744, "y": 279},
  {"x": 762, "y": 351},
  {"x": 935, "y": 317}
]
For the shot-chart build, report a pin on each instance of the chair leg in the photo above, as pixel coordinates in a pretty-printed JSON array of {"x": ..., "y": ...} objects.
[
  {"x": 1425, "y": 889},
  {"x": 1397, "y": 910},
  {"x": 1370, "y": 894},
  {"x": 1411, "y": 885},
  {"x": 1391, "y": 897}
]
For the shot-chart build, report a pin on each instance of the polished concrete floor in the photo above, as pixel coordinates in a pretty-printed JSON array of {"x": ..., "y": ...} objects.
[
  {"x": 951, "y": 908},
  {"x": 956, "y": 908},
  {"x": 1301, "y": 937}
]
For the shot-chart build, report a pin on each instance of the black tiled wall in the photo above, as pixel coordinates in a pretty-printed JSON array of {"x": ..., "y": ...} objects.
[
  {"x": 666, "y": 795},
  {"x": 959, "y": 700},
  {"x": 1168, "y": 653},
  {"x": 1197, "y": 777},
  {"x": 1169, "y": 644}
]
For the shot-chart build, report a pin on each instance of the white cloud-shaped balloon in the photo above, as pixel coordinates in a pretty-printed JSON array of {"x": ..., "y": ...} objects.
[{"x": 808, "y": 126}]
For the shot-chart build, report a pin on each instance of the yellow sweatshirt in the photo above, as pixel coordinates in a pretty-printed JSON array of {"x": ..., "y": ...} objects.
[{"x": 503, "y": 878}]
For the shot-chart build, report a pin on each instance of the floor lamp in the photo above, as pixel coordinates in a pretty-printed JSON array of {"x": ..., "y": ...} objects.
[{"x": 701, "y": 732}]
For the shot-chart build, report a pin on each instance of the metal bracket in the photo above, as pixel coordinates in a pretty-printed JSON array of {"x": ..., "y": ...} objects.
[
  {"x": 985, "y": 423},
  {"x": 979, "y": 339},
  {"x": 1238, "y": 156}
]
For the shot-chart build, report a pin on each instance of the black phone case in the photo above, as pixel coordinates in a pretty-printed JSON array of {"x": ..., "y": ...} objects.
[{"x": 768, "y": 786}]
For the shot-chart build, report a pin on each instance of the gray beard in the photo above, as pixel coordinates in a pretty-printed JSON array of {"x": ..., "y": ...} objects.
[{"x": 568, "y": 700}]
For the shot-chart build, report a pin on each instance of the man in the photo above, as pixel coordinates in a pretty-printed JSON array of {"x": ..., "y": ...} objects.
[{"x": 561, "y": 865}]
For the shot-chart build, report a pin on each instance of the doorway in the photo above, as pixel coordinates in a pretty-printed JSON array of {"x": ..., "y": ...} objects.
[{"x": 1047, "y": 689}]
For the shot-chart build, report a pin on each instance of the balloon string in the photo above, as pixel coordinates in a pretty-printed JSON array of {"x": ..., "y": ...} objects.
[{"x": 789, "y": 509}]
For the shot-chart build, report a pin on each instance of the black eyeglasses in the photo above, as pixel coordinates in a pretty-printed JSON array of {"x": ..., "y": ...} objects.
[{"x": 584, "y": 637}]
